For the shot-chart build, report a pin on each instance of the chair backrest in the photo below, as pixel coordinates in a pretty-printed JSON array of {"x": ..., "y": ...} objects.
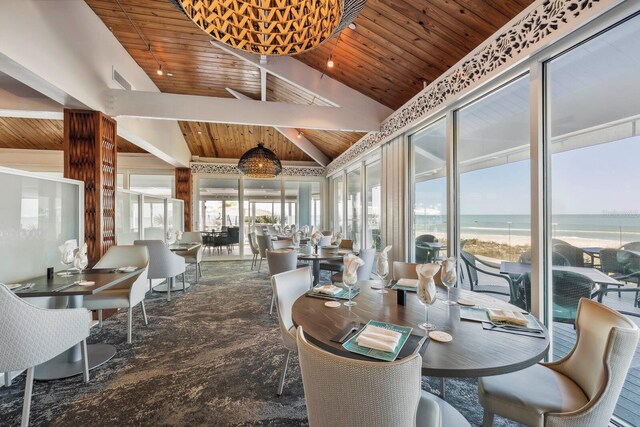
[
  {"x": 556, "y": 258},
  {"x": 609, "y": 262},
  {"x": 191, "y": 237},
  {"x": 631, "y": 246},
  {"x": 288, "y": 287},
  {"x": 574, "y": 255},
  {"x": 30, "y": 335},
  {"x": 426, "y": 238},
  {"x": 325, "y": 241},
  {"x": 599, "y": 361},
  {"x": 346, "y": 244},
  {"x": 253, "y": 243},
  {"x": 340, "y": 391},
  {"x": 264, "y": 243},
  {"x": 281, "y": 243},
  {"x": 281, "y": 260},
  {"x": 568, "y": 289},
  {"x": 404, "y": 270},
  {"x": 162, "y": 262},
  {"x": 369, "y": 257},
  {"x": 124, "y": 256},
  {"x": 472, "y": 272}
]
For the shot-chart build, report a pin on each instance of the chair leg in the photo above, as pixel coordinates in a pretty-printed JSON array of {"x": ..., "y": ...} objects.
[
  {"x": 150, "y": 287},
  {"x": 85, "y": 361},
  {"x": 284, "y": 372},
  {"x": 100, "y": 318},
  {"x": 184, "y": 282},
  {"x": 7, "y": 379},
  {"x": 26, "y": 406},
  {"x": 169, "y": 280},
  {"x": 260, "y": 265},
  {"x": 200, "y": 269},
  {"x": 487, "y": 419},
  {"x": 129, "y": 322},
  {"x": 144, "y": 314},
  {"x": 442, "y": 388},
  {"x": 273, "y": 302}
]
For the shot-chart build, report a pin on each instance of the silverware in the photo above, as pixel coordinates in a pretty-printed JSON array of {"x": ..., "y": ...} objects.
[
  {"x": 25, "y": 287},
  {"x": 62, "y": 288},
  {"x": 515, "y": 328},
  {"x": 345, "y": 336},
  {"x": 323, "y": 297}
]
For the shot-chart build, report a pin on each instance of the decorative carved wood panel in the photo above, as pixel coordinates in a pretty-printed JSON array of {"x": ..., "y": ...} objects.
[
  {"x": 183, "y": 192},
  {"x": 90, "y": 155}
]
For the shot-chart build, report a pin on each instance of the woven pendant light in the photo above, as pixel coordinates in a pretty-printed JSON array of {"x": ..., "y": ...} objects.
[
  {"x": 260, "y": 162},
  {"x": 272, "y": 27}
]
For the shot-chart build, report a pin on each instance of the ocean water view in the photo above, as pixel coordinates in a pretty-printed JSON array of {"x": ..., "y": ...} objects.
[{"x": 606, "y": 230}]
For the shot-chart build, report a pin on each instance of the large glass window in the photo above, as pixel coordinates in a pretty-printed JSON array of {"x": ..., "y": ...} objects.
[
  {"x": 155, "y": 185},
  {"x": 494, "y": 181},
  {"x": 338, "y": 204},
  {"x": 218, "y": 204},
  {"x": 354, "y": 205},
  {"x": 153, "y": 218},
  {"x": 300, "y": 203},
  {"x": 429, "y": 213},
  {"x": 374, "y": 205},
  {"x": 263, "y": 204},
  {"x": 593, "y": 126},
  {"x": 127, "y": 221}
]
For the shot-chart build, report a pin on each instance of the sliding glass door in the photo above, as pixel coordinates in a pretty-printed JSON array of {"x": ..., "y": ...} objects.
[
  {"x": 338, "y": 203},
  {"x": 429, "y": 201},
  {"x": 373, "y": 205},
  {"x": 354, "y": 205},
  {"x": 593, "y": 113}
]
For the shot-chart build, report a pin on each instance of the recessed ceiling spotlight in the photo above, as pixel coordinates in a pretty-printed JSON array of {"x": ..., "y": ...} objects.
[
  {"x": 299, "y": 134},
  {"x": 169, "y": 74},
  {"x": 353, "y": 26},
  {"x": 199, "y": 132},
  {"x": 159, "y": 70},
  {"x": 330, "y": 62}
]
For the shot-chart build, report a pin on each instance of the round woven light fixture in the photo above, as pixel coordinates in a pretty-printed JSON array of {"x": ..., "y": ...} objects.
[
  {"x": 260, "y": 162},
  {"x": 272, "y": 27}
]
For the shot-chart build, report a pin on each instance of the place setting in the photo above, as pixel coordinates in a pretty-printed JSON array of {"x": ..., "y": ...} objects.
[{"x": 504, "y": 320}]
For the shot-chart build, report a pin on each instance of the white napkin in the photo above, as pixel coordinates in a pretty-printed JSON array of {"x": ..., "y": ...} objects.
[
  {"x": 409, "y": 283},
  {"x": 426, "y": 285},
  {"x": 295, "y": 238},
  {"x": 128, "y": 269},
  {"x": 383, "y": 261},
  {"x": 315, "y": 238},
  {"x": 448, "y": 274},
  {"x": 80, "y": 261},
  {"x": 67, "y": 251},
  {"x": 328, "y": 289},
  {"x": 379, "y": 338},
  {"x": 351, "y": 265}
]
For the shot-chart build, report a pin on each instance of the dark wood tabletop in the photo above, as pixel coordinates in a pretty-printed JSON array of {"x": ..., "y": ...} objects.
[
  {"x": 323, "y": 254},
  {"x": 104, "y": 279},
  {"x": 182, "y": 247},
  {"x": 518, "y": 268},
  {"x": 473, "y": 352}
]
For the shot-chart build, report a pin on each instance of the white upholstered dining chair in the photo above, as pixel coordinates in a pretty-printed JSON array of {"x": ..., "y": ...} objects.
[
  {"x": 581, "y": 389},
  {"x": 280, "y": 261},
  {"x": 193, "y": 256},
  {"x": 255, "y": 251},
  {"x": 126, "y": 294},
  {"x": 163, "y": 264},
  {"x": 340, "y": 391},
  {"x": 288, "y": 287},
  {"x": 30, "y": 336}
]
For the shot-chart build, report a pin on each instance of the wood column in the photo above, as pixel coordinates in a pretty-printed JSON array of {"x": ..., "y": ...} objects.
[
  {"x": 90, "y": 155},
  {"x": 184, "y": 189}
]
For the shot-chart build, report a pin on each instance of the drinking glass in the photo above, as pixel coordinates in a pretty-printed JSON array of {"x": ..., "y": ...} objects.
[
  {"x": 427, "y": 299},
  {"x": 449, "y": 279},
  {"x": 382, "y": 276},
  {"x": 349, "y": 282}
]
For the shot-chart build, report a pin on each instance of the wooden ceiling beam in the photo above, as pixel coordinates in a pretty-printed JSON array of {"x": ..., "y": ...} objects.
[{"x": 169, "y": 106}]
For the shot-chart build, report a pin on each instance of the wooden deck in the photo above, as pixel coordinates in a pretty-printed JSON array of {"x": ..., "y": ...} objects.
[{"x": 628, "y": 407}]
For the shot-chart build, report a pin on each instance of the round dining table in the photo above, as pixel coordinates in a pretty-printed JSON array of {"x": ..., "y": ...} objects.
[
  {"x": 306, "y": 253},
  {"x": 473, "y": 352}
]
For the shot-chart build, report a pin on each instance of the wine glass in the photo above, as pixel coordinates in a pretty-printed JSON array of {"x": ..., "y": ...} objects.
[
  {"x": 349, "y": 281},
  {"x": 382, "y": 272},
  {"x": 449, "y": 278},
  {"x": 427, "y": 296}
]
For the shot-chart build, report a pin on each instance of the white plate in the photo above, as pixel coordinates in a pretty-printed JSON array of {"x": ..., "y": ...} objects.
[{"x": 332, "y": 304}]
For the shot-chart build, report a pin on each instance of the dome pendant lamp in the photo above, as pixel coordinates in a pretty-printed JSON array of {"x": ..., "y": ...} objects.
[{"x": 260, "y": 162}]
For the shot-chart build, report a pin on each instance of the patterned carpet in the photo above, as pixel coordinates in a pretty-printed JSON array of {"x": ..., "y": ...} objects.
[{"x": 209, "y": 357}]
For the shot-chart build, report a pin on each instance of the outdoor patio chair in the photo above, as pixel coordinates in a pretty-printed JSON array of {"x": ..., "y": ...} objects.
[
  {"x": 425, "y": 254},
  {"x": 475, "y": 266}
]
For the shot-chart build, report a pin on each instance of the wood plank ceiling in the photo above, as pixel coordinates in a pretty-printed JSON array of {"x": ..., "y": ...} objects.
[
  {"x": 398, "y": 45},
  {"x": 43, "y": 134}
]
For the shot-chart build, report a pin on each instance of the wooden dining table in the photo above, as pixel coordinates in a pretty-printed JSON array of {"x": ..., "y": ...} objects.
[
  {"x": 69, "y": 294},
  {"x": 306, "y": 253},
  {"x": 473, "y": 352}
]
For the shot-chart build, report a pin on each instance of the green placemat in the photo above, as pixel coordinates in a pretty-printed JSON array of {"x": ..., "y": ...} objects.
[
  {"x": 404, "y": 288},
  {"x": 479, "y": 314},
  {"x": 353, "y": 346},
  {"x": 343, "y": 294}
]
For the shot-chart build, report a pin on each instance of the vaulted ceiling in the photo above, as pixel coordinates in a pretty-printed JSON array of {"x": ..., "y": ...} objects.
[{"x": 396, "y": 48}]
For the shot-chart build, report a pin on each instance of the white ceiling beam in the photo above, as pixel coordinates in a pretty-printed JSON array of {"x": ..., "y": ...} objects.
[
  {"x": 263, "y": 79},
  {"x": 314, "y": 82},
  {"x": 169, "y": 106},
  {"x": 295, "y": 137}
]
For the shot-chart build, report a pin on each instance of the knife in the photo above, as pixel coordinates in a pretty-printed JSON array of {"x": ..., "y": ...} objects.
[
  {"x": 323, "y": 297},
  {"x": 62, "y": 288}
]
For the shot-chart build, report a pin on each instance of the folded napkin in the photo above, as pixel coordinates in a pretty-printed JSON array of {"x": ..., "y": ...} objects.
[
  {"x": 409, "y": 283},
  {"x": 379, "y": 338},
  {"x": 328, "y": 289},
  {"x": 383, "y": 261},
  {"x": 128, "y": 269},
  {"x": 351, "y": 265},
  {"x": 86, "y": 283},
  {"x": 507, "y": 316},
  {"x": 67, "y": 251}
]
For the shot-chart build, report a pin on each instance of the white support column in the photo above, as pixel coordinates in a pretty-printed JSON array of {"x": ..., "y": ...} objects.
[
  {"x": 453, "y": 197},
  {"x": 241, "y": 213}
]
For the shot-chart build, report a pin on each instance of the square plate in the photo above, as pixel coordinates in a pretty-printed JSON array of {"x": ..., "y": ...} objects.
[
  {"x": 343, "y": 294},
  {"x": 353, "y": 346}
]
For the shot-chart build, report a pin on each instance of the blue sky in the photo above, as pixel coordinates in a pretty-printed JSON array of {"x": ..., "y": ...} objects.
[{"x": 593, "y": 180}]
